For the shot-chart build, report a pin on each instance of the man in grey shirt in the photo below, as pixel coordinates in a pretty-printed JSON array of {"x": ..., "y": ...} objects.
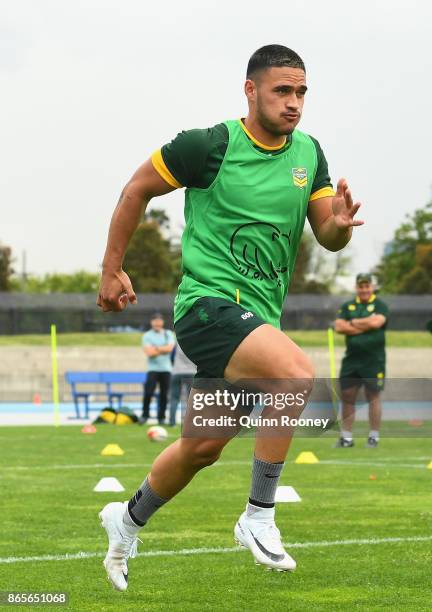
[{"x": 182, "y": 375}]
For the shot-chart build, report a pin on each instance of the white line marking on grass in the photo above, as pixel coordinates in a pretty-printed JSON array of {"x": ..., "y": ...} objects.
[
  {"x": 390, "y": 458},
  {"x": 371, "y": 463},
  {"x": 77, "y": 466},
  {"x": 90, "y": 466},
  {"x": 205, "y": 551}
]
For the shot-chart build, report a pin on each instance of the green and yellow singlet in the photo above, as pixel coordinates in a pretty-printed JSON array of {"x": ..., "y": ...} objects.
[{"x": 245, "y": 209}]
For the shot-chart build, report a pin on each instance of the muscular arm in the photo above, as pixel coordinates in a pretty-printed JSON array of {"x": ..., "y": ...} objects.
[
  {"x": 323, "y": 225},
  {"x": 332, "y": 218},
  {"x": 374, "y": 321},
  {"x": 344, "y": 327},
  {"x": 115, "y": 288}
]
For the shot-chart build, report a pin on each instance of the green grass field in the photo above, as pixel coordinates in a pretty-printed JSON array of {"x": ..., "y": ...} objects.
[
  {"x": 340, "y": 529},
  {"x": 315, "y": 338}
]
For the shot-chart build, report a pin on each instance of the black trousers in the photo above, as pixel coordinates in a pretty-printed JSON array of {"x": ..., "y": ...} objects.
[{"x": 153, "y": 378}]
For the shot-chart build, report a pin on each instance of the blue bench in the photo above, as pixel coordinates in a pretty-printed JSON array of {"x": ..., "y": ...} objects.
[{"x": 108, "y": 379}]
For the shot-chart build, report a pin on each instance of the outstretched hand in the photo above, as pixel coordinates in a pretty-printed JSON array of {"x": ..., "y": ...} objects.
[
  {"x": 343, "y": 207},
  {"x": 115, "y": 291}
]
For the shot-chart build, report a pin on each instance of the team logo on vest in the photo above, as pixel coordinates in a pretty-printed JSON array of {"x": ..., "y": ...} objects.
[
  {"x": 299, "y": 177},
  {"x": 260, "y": 251},
  {"x": 371, "y": 307}
]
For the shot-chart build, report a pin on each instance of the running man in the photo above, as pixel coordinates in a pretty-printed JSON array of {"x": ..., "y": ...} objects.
[
  {"x": 363, "y": 321},
  {"x": 250, "y": 183}
]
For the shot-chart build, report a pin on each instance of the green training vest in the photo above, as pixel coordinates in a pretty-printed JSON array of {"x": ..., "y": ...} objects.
[{"x": 242, "y": 232}]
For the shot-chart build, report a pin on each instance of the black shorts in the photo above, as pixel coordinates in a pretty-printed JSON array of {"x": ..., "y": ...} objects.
[
  {"x": 370, "y": 374},
  {"x": 210, "y": 332}
]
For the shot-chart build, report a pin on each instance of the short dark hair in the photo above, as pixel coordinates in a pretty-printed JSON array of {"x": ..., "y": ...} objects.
[{"x": 273, "y": 56}]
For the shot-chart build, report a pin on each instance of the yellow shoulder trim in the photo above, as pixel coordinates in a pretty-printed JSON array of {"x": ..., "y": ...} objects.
[
  {"x": 324, "y": 192},
  {"x": 372, "y": 298},
  {"x": 160, "y": 167},
  {"x": 258, "y": 143}
]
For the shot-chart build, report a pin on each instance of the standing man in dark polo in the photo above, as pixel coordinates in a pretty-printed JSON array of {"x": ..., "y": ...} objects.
[{"x": 363, "y": 321}]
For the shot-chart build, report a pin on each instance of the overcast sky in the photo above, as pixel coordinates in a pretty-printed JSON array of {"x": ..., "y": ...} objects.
[{"x": 89, "y": 89}]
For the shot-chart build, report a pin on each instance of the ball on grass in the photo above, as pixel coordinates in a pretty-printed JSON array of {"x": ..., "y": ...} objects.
[{"x": 157, "y": 433}]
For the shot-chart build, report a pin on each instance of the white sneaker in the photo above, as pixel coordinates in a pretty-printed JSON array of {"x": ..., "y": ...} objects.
[
  {"x": 122, "y": 544},
  {"x": 260, "y": 534}
]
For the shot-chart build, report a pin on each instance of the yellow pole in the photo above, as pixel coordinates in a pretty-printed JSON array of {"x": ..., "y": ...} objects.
[
  {"x": 55, "y": 389},
  {"x": 330, "y": 337},
  {"x": 238, "y": 296}
]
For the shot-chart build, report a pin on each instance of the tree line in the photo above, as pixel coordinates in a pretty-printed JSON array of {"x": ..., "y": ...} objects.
[{"x": 153, "y": 262}]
